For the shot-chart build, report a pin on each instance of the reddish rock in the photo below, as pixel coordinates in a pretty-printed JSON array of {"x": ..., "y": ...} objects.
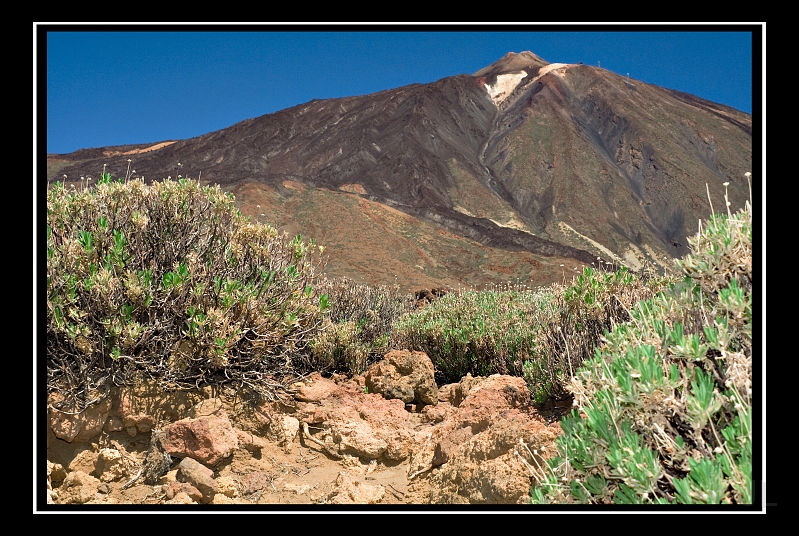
[
  {"x": 183, "y": 487},
  {"x": 208, "y": 438}
]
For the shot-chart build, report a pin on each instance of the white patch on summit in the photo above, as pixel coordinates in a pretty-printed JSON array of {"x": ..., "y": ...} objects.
[
  {"x": 504, "y": 86},
  {"x": 506, "y": 83}
]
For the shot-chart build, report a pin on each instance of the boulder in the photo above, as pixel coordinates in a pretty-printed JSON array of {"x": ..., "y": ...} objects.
[
  {"x": 405, "y": 375},
  {"x": 353, "y": 423},
  {"x": 201, "y": 477},
  {"x": 78, "y": 488},
  {"x": 110, "y": 465},
  {"x": 208, "y": 436},
  {"x": 470, "y": 456}
]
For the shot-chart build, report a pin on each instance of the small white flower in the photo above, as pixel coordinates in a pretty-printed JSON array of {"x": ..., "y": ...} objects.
[
  {"x": 718, "y": 450},
  {"x": 726, "y": 184},
  {"x": 747, "y": 174}
]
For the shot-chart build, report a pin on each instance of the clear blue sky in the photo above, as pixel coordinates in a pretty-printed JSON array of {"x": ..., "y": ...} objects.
[{"x": 115, "y": 87}]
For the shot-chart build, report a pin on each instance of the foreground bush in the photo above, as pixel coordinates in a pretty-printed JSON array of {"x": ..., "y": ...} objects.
[
  {"x": 171, "y": 281},
  {"x": 573, "y": 323},
  {"x": 476, "y": 332},
  {"x": 664, "y": 408},
  {"x": 358, "y": 324}
]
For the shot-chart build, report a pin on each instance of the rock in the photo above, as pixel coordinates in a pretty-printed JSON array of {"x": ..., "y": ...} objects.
[
  {"x": 208, "y": 437},
  {"x": 110, "y": 465},
  {"x": 84, "y": 459},
  {"x": 354, "y": 423},
  {"x": 77, "y": 426},
  {"x": 250, "y": 442},
  {"x": 55, "y": 472},
  {"x": 176, "y": 488},
  {"x": 255, "y": 481},
  {"x": 78, "y": 488},
  {"x": 225, "y": 485},
  {"x": 446, "y": 446},
  {"x": 142, "y": 422},
  {"x": 285, "y": 429},
  {"x": 425, "y": 296},
  {"x": 351, "y": 491},
  {"x": 474, "y": 447},
  {"x": 406, "y": 375},
  {"x": 199, "y": 476},
  {"x": 315, "y": 389},
  {"x": 146, "y": 403},
  {"x": 114, "y": 424},
  {"x": 181, "y": 498}
]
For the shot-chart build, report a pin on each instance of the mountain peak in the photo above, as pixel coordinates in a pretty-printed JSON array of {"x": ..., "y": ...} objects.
[{"x": 513, "y": 62}]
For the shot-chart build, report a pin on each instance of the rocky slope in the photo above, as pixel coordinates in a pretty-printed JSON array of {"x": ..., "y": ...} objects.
[{"x": 545, "y": 162}]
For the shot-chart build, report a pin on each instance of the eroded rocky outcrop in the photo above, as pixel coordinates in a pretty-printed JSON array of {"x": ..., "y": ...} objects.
[{"x": 392, "y": 434}]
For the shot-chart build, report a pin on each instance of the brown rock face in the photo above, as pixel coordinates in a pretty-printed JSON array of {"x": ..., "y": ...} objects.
[
  {"x": 470, "y": 457},
  {"x": 405, "y": 375}
]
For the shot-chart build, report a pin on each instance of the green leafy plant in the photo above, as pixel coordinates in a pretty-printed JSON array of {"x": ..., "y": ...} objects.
[
  {"x": 475, "y": 332},
  {"x": 574, "y": 322},
  {"x": 663, "y": 409}
]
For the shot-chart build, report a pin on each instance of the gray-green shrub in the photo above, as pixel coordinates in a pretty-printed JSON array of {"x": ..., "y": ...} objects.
[
  {"x": 170, "y": 281},
  {"x": 475, "y": 332},
  {"x": 358, "y": 324}
]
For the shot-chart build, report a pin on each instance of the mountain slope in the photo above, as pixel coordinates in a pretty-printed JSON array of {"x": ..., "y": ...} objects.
[{"x": 555, "y": 163}]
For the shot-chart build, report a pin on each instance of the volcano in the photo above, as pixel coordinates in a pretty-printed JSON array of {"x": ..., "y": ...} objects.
[{"x": 522, "y": 172}]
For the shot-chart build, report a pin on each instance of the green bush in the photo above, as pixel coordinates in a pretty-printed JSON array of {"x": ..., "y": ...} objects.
[
  {"x": 476, "y": 332},
  {"x": 358, "y": 324},
  {"x": 170, "y": 281},
  {"x": 664, "y": 408},
  {"x": 574, "y": 322}
]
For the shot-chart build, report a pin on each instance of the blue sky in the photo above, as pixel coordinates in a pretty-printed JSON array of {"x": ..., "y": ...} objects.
[{"x": 113, "y": 85}]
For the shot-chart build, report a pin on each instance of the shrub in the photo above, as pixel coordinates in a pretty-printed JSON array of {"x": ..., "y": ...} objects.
[
  {"x": 476, "y": 332},
  {"x": 573, "y": 323},
  {"x": 664, "y": 408},
  {"x": 169, "y": 280},
  {"x": 358, "y": 324}
]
